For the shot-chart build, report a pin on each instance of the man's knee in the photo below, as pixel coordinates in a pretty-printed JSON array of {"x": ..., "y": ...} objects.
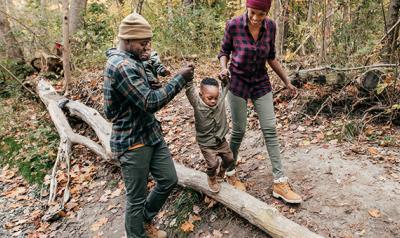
[{"x": 170, "y": 182}]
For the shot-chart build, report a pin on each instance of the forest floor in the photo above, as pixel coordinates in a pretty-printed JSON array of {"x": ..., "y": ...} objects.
[{"x": 350, "y": 187}]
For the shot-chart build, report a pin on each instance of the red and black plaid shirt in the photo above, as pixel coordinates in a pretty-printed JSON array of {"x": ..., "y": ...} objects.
[{"x": 249, "y": 77}]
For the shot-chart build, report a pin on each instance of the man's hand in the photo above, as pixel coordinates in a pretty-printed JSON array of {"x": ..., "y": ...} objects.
[
  {"x": 165, "y": 72},
  {"x": 187, "y": 72},
  {"x": 155, "y": 84}
]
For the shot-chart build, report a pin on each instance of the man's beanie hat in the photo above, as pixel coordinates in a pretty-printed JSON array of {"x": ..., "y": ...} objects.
[
  {"x": 263, "y": 5},
  {"x": 134, "y": 27}
]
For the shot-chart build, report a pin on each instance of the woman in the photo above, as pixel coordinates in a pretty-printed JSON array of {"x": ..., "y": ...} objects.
[{"x": 249, "y": 42}]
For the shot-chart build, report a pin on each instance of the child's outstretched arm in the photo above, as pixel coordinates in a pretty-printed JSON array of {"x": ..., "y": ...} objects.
[
  {"x": 192, "y": 94},
  {"x": 224, "y": 86}
]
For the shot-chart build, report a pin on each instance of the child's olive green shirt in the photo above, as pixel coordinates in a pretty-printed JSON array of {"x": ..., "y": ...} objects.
[{"x": 210, "y": 122}]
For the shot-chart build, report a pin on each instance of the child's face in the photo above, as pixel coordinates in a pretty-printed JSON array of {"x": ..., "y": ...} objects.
[{"x": 209, "y": 94}]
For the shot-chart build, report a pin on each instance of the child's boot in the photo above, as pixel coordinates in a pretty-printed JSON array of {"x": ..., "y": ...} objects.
[
  {"x": 282, "y": 189},
  {"x": 213, "y": 184}
]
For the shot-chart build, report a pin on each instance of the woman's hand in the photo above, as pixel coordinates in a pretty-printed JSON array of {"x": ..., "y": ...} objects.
[
  {"x": 291, "y": 88},
  {"x": 224, "y": 74}
]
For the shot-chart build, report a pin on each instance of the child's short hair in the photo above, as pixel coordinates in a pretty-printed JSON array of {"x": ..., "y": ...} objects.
[{"x": 209, "y": 81}]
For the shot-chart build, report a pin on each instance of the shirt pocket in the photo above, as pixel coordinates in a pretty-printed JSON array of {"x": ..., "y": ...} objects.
[{"x": 264, "y": 49}]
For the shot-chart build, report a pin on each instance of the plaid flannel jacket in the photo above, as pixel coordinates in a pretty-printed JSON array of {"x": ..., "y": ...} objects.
[
  {"x": 130, "y": 103},
  {"x": 249, "y": 77}
]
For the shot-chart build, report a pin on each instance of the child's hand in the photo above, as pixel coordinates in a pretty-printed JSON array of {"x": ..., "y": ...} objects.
[
  {"x": 165, "y": 72},
  {"x": 224, "y": 80},
  {"x": 224, "y": 74}
]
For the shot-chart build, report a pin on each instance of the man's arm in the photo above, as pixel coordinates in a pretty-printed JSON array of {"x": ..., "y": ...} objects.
[{"x": 131, "y": 85}]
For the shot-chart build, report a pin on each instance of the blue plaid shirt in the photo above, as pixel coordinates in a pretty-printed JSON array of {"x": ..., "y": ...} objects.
[{"x": 130, "y": 103}]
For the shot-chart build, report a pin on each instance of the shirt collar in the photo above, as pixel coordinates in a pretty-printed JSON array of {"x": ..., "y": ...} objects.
[{"x": 130, "y": 55}]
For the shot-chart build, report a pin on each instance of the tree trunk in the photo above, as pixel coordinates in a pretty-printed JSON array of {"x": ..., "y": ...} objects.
[
  {"x": 66, "y": 48},
  {"x": 260, "y": 214},
  {"x": 43, "y": 7},
  {"x": 391, "y": 42},
  {"x": 322, "y": 53},
  {"x": 279, "y": 26},
  {"x": 8, "y": 43},
  {"x": 139, "y": 6},
  {"x": 76, "y": 13}
]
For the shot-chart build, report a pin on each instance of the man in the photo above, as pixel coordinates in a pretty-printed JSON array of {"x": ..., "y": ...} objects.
[{"x": 136, "y": 139}]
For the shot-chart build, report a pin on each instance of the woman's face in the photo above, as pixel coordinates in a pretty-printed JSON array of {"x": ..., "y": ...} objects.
[{"x": 256, "y": 16}]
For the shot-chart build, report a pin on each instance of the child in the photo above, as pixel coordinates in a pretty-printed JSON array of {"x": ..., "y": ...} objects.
[
  {"x": 211, "y": 128},
  {"x": 153, "y": 67}
]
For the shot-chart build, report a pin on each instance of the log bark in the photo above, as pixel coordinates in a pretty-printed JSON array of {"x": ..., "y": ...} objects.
[{"x": 262, "y": 215}]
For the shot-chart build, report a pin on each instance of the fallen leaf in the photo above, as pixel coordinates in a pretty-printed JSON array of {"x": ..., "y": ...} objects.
[
  {"x": 373, "y": 151},
  {"x": 260, "y": 157},
  {"x": 193, "y": 218},
  {"x": 217, "y": 234},
  {"x": 210, "y": 202},
  {"x": 15, "y": 192},
  {"x": 104, "y": 198},
  {"x": 96, "y": 226},
  {"x": 374, "y": 213},
  {"x": 187, "y": 227},
  {"x": 196, "y": 209},
  {"x": 116, "y": 193},
  {"x": 239, "y": 185}
]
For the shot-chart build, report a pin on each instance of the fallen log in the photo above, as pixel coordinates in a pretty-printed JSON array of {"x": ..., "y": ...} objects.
[
  {"x": 260, "y": 214},
  {"x": 367, "y": 80}
]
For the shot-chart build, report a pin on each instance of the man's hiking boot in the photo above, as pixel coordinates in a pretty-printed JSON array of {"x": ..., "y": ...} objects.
[
  {"x": 284, "y": 190},
  {"x": 213, "y": 184},
  {"x": 152, "y": 232}
]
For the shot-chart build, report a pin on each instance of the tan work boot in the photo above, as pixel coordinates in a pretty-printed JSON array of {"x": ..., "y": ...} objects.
[
  {"x": 152, "y": 232},
  {"x": 284, "y": 190},
  {"x": 213, "y": 184}
]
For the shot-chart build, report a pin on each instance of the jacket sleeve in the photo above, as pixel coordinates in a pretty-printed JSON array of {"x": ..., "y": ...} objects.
[{"x": 134, "y": 88}]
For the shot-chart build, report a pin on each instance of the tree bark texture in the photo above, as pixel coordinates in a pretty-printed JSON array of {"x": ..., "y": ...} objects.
[
  {"x": 8, "y": 42},
  {"x": 66, "y": 48},
  {"x": 76, "y": 13},
  {"x": 391, "y": 43}
]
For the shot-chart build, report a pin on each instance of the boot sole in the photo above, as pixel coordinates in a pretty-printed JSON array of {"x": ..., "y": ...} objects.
[{"x": 276, "y": 195}]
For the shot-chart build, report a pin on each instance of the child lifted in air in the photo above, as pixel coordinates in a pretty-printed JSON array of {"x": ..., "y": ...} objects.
[{"x": 211, "y": 128}]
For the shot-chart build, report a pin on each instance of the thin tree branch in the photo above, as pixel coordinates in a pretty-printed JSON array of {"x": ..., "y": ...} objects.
[
  {"x": 15, "y": 77},
  {"x": 390, "y": 30}
]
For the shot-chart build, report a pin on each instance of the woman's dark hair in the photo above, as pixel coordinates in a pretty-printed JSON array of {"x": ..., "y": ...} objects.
[{"x": 209, "y": 81}]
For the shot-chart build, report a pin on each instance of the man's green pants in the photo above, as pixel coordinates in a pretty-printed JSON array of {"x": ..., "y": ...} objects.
[{"x": 136, "y": 165}]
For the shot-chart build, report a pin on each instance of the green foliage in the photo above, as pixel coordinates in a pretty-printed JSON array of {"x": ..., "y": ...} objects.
[
  {"x": 182, "y": 207},
  {"x": 18, "y": 68},
  {"x": 92, "y": 40},
  {"x": 358, "y": 37},
  {"x": 188, "y": 30},
  {"x": 31, "y": 147}
]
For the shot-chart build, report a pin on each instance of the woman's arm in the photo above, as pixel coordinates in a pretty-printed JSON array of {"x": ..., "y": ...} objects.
[{"x": 276, "y": 66}]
